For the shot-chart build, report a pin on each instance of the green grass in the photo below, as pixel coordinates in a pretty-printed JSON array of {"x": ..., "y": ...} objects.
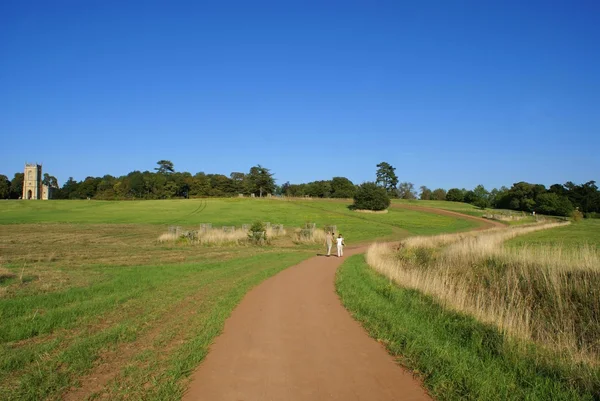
[
  {"x": 51, "y": 339},
  {"x": 458, "y": 357},
  {"x": 466, "y": 208},
  {"x": 85, "y": 286},
  {"x": 190, "y": 213},
  {"x": 575, "y": 234}
]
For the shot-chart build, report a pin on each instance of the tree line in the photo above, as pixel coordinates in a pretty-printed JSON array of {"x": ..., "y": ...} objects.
[{"x": 164, "y": 183}]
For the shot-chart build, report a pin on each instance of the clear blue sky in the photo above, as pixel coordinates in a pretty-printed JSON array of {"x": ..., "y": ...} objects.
[{"x": 451, "y": 93}]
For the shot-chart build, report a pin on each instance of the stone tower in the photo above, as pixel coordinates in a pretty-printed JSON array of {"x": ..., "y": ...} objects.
[{"x": 32, "y": 183}]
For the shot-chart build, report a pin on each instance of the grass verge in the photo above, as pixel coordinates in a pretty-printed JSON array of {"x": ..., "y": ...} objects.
[{"x": 458, "y": 357}]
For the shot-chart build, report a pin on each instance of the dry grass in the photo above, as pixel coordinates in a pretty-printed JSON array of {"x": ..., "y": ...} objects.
[
  {"x": 371, "y": 211},
  {"x": 547, "y": 295},
  {"x": 316, "y": 236},
  {"x": 53, "y": 254},
  {"x": 216, "y": 237}
]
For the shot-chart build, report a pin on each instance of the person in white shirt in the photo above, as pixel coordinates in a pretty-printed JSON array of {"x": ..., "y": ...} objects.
[{"x": 340, "y": 246}]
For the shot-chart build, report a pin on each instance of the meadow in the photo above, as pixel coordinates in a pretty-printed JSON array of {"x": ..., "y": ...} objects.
[
  {"x": 508, "y": 313},
  {"x": 509, "y": 217},
  {"x": 92, "y": 305}
]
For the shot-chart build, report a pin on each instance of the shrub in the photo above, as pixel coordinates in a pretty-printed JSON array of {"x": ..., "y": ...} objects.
[
  {"x": 577, "y": 215},
  {"x": 257, "y": 233},
  {"x": 371, "y": 197}
]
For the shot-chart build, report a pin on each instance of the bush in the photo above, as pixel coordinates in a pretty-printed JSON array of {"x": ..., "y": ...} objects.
[
  {"x": 577, "y": 216},
  {"x": 257, "y": 233},
  {"x": 371, "y": 197}
]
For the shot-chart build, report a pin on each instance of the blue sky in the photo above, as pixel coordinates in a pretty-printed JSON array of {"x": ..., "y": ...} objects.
[{"x": 451, "y": 93}]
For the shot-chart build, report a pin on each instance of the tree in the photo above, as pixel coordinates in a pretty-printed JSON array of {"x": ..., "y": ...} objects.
[
  {"x": 296, "y": 190},
  {"x": 285, "y": 188},
  {"x": 16, "y": 186},
  {"x": 200, "y": 185},
  {"x": 479, "y": 197},
  {"x": 260, "y": 180},
  {"x": 439, "y": 194},
  {"x": 50, "y": 181},
  {"x": 406, "y": 190},
  {"x": 386, "y": 177},
  {"x": 370, "y": 196},
  {"x": 318, "y": 189},
  {"x": 164, "y": 167},
  {"x": 4, "y": 187},
  {"x": 341, "y": 187},
  {"x": 69, "y": 189},
  {"x": 455, "y": 195},
  {"x": 221, "y": 185},
  {"x": 238, "y": 182},
  {"x": 426, "y": 193},
  {"x": 555, "y": 205}
]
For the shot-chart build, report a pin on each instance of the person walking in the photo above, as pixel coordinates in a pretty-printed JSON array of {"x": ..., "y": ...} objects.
[
  {"x": 329, "y": 242},
  {"x": 340, "y": 245}
]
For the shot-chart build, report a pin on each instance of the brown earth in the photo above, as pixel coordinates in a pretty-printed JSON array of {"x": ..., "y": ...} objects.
[{"x": 291, "y": 339}]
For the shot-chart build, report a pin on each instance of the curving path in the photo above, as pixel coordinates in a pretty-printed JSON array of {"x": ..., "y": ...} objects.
[{"x": 290, "y": 339}]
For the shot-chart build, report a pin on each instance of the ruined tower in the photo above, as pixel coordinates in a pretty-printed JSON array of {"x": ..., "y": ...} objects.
[{"x": 32, "y": 183}]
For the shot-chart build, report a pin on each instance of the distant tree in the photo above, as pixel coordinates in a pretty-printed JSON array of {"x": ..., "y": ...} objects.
[
  {"x": 318, "y": 189},
  {"x": 479, "y": 197},
  {"x": 16, "y": 186},
  {"x": 426, "y": 193},
  {"x": 87, "y": 188},
  {"x": 69, "y": 189},
  {"x": 555, "y": 205},
  {"x": 285, "y": 188},
  {"x": 296, "y": 190},
  {"x": 406, "y": 190},
  {"x": 341, "y": 187},
  {"x": 238, "y": 182},
  {"x": 521, "y": 196},
  {"x": 370, "y": 196},
  {"x": 4, "y": 187},
  {"x": 164, "y": 167},
  {"x": 136, "y": 186},
  {"x": 221, "y": 185},
  {"x": 439, "y": 194},
  {"x": 455, "y": 195},
  {"x": 200, "y": 185},
  {"x": 261, "y": 180},
  {"x": 386, "y": 177},
  {"x": 50, "y": 181}
]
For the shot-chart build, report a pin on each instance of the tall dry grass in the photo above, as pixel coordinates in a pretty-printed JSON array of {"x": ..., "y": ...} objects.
[
  {"x": 548, "y": 295},
  {"x": 305, "y": 236},
  {"x": 219, "y": 237}
]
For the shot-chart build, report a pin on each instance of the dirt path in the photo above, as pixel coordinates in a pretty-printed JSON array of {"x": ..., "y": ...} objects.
[
  {"x": 291, "y": 339},
  {"x": 485, "y": 223}
]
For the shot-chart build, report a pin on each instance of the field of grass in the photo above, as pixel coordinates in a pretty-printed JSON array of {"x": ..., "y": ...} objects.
[
  {"x": 533, "y": 289},
  {"x": 91, "y": 304},
  {"x": 458, "y": 357},
  {"x": 466, "y": 208},
  {"x": 190, "y": 213},
  {"x": 585, "y": 232}
]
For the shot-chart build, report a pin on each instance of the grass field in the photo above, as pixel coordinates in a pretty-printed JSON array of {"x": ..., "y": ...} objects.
[
  {"x": 92, "y": 305},
  {"x": 585, "y": 232},
  {"x": 466, "y": 208},
  {"x": 484, "y": 316},
  {"x": 458, "y": 357}
]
